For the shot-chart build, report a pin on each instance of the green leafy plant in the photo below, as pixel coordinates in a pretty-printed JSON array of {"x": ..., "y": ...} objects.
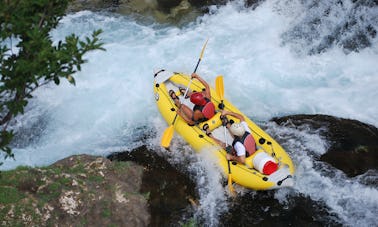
[{"x": 30, "y": 59}]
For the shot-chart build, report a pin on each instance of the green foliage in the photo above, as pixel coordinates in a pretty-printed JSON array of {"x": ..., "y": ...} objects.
[
  {"x": 106, "y": 209},
  {"x": 29, "y": 59},
  {"x": 5, "y": 139},
  {"x": 95, "y": 178},
  {"x": 190, "y": 223},
  {"x": 9, "y": 195},
  {"x": 121, "y": 166}
]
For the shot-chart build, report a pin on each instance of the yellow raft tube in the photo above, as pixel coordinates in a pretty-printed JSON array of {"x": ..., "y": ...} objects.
[{"x": 242, "y": 174}]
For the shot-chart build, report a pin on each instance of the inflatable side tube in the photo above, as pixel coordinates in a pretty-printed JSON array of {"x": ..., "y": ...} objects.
[{"x": 213, "y": 122}]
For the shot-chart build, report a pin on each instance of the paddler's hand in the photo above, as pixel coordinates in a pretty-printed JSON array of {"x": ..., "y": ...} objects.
[
  {"x": 194, "y": 75},
  {"x": 224, "y": 112},
  {"x": 229, "y": 157}
]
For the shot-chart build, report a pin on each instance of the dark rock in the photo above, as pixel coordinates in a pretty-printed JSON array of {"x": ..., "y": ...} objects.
[
  {"x": 354, "y": 145},
  {"x": 171, "y": 192},
  {"x": 93, "y": 5},
  {"x": 204, "y": 3},
  {"x": 253, "y": 3},
  {"x": 167, "y": 5},
  {"x": 300, "y": 210}
]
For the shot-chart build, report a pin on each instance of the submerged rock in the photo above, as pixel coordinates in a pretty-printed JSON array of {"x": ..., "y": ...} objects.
[
  {"x": 354, "y": 145},
  {"x": 80, "y": 190}
]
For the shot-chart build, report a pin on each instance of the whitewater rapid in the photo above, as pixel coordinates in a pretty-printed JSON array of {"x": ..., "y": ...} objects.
[{"x": 266, "y": 73}]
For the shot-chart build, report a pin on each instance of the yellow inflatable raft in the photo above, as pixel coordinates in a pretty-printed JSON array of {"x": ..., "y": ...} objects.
[{"x": 246, "y": 175}]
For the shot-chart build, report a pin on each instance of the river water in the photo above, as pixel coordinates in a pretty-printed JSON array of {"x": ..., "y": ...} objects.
[{"x": 282, "y": 58}]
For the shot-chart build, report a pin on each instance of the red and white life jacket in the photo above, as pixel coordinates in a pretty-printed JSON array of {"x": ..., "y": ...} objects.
[
  {"x": 248, "y": 142},
  {"x": 261, "y": 160}
]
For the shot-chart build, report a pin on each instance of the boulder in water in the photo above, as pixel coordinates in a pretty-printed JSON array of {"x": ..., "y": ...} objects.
[{"x": 354, "y": 145}]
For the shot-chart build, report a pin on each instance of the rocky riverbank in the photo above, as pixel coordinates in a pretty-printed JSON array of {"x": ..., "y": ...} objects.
[
  {"x": 77, "y": 191},
  {"x": 86, "y": 190}
]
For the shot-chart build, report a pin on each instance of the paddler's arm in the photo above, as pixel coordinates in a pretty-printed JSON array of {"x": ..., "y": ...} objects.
[
  {"x": 219, "y": 142},
  {"x": 240, "y": 159},
  {"x": 207, "y": 87},
  {"x": 238, "y": 116}
]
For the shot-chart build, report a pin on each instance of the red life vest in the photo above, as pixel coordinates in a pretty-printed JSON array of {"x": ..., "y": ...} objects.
[
  {"x": 208, "y": 110},
  {"x": 248, "y": 142}
]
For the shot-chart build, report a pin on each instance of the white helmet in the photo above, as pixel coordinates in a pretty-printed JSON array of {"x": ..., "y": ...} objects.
[{"x": 237, "y": 129}]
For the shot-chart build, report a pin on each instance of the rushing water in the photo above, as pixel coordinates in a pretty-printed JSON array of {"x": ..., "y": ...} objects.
[{"x": 284, "y": 57}]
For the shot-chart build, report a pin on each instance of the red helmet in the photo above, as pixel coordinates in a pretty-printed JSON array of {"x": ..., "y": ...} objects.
[{"x": 198, "y": 99}]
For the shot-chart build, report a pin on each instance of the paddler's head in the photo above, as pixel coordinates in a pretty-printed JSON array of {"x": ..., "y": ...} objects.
[
  {"x": 198, "y": 99},
  {"x": 237, "y": 129}
]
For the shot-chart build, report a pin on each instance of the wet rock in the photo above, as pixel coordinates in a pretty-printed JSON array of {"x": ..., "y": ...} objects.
[
  {"x": 253, "y": 3},
  {"x": 171, "y": 192},
  {"x": 262, "y": 209},
  {"x": 354, "y": 145},
  {"x": 204, "y": 3},
  {"x": 164, "y": 5},
  {"x": 167, "y": 5},
  {"x": 93, "y": 5}
]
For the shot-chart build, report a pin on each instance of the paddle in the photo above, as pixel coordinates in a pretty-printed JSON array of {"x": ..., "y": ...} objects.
[
  {"x": 168, "y": 133},
  {"x": 219, "y": 88},
  {"x": 195, "y": 70}
]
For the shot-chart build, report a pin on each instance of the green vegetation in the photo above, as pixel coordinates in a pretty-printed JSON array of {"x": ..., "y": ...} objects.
[
  {"x": 106, "y": 211},
  {"x": 190, "y": 223},
  {"x": 29, "y": 59},
  {"x": 9, "y": 195},
  {"x": 95, "y": 178},
  {"x": 120, "y": 166},
  {"x": 147, "y": 195},
  {"x": 79, "y": 168}
]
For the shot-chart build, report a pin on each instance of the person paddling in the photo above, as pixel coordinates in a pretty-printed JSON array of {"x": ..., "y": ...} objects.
[
  {"x": 203, "y": 108},
  {"x": 243, "y": 144}
]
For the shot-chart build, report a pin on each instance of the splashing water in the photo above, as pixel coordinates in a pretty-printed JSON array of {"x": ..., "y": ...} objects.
[{"x": 284, "y": 57}]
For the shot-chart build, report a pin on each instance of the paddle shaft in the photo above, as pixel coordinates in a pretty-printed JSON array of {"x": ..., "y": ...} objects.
[
  {"x": 225, "y": 140},
  {"x": 173, "y": 122},
  {"x": 168, "y": 133},
  {"x": 219, "y": 88},
  {"x": 195, "y": 69},
  {"x": 231, "y": 188},
  {"x": 190, "y": 81}
]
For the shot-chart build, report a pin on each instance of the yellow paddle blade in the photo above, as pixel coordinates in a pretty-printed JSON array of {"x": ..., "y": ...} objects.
[
  {"x": 167, "y": 137},
  {"x": 230, "y": 186},
  {"x": 219, "y": 88},
  {"x": 203, "y": 49}
]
